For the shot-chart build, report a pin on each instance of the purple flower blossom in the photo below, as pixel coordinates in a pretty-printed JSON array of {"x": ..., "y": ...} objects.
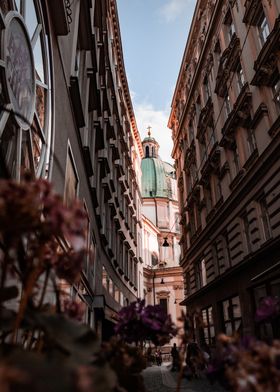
[
  {"x": 74, "y": 310},
  {"x": 138, "y": 323},
  {"x": 269, "y": 308}
]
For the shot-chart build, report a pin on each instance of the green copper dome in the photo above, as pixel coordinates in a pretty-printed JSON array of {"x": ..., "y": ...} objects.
[
  {"x": 149, "y": 139},
  {"x": 155, "y": 178}
]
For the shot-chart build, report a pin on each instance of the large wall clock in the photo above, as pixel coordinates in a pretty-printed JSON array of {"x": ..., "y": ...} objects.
[{"x": 25, "y": 93}]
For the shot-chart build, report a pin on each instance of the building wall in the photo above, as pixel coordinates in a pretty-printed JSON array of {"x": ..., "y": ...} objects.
[
  {"x": 225, "y": 128},
  {"x": 91, "y": 142}
]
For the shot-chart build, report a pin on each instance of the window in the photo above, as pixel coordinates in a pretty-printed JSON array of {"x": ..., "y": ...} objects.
[
  {"x": 263, "y": 29},
  {"x": 236, "y": 161},
  {"x": 210, "y": 137},
  {"x": 251, "y": 141},
  {"x": 197, "y": 216},
  {"x": 187, "y": 284},
  {"x": 177, "y": 222},
  {"x": 276, "y": 93},
  {"x": 198, "y": 107},
  {"x": 24, "y": 138},
  {"x": 208, "y": 326},
  {"x": 268, "y": 329},
  {"x": 71, "y": 180},
  {"x": 147, "y": 152},
  {"x": 203, "y": 152},
  {"x": 229, "y": 24},
  {"x": 193, "y": 174},
  {"x": 163, "y": 304},
  {"x": 246, "y": 228},
  {"x": 208, "y": 198},
  {"x": 206, "y": 89},
  {"x": 201, "y": 275},
  {"x": 227, "y": 104},
  {"x": 232, "y": 315},
  {"x": 216, "y": 260},
  {"x": 231, "y": 30},
  {"x": 192, "y": 221},
  {"x": 240, "y": 77},
  {"x": 154, "y": 259},
  {"x": 265, "y": 220},
  {"x": 217, "y": 188},
  {"x": 226, "y": 249},
  {"x": 191, "y": 133}
]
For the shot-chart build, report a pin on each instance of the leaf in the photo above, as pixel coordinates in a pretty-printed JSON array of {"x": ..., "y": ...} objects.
[
  {"x": 29, "y": 371},
  {"x": 7, "y": 319},
  {"x": 77, "y": 341}
]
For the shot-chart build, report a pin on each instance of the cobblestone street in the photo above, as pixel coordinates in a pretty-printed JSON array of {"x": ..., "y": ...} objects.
[{"x": 161, "y": 379}]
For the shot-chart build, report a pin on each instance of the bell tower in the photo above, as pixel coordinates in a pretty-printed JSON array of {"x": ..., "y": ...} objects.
[{"x": 150, "y": 146}]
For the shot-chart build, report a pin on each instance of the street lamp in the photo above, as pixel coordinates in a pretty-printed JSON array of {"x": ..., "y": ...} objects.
[{"x": 165, "y": 243}]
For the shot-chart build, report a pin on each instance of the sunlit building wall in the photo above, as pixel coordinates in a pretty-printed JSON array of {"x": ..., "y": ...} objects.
[
  {"x": 163, "y": 280},
  {"x": 62, "y": 71},
  {"x": 225, "y": 128}
]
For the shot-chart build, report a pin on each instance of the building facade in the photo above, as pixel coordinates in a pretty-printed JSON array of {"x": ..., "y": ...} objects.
[
  {"x": 66, "y": 115},
  {"x": 225, "y": 122},
  {"x": 162, "y": 275}
]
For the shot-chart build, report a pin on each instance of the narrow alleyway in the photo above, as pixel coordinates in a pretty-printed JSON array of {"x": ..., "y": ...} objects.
[{"x": 161, "y": 379}]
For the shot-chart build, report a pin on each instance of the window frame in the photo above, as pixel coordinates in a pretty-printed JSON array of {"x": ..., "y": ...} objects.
[{"x": 232, "y": 319}]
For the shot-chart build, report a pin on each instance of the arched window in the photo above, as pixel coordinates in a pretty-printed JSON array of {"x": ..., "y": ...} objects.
[
  {"x": 153, "y": 151},
  {"x": 147, "y": 152},
  {"x": 154, "y": 259}
]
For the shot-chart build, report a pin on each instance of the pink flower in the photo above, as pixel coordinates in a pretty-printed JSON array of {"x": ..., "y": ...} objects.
[
  {"x": 269, "y": 308},
  {"x": 74, "y": 310},
  {"x": 69, "y": 265}
]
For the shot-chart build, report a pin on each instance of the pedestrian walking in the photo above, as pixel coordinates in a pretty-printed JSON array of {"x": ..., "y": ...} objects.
[
  {"x": 195, "y": 360},
  {"x": 158, "y": 357},
  {"x": 175, "y": 358}
]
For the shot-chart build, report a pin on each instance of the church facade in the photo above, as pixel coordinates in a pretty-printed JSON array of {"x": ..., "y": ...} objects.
[{"x": 162, "y": 275}]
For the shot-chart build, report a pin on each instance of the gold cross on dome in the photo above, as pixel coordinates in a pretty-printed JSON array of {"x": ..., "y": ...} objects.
[{"x": 149, "y": 130}]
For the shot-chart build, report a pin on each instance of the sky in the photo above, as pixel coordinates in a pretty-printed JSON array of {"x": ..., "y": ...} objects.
[{"x": 154, "y": 34}]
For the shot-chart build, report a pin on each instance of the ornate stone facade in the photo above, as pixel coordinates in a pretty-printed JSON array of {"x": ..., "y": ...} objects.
[
  {"x": 226, "y": 134},
  {"x": 80, "y": 133}
]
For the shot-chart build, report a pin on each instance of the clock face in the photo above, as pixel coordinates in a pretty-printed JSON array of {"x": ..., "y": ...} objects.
[
  {"x": 20, "y": 71},
  {"x": 25, "y": 88}
]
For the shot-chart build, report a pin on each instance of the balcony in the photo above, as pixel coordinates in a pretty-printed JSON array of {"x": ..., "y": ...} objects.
[
  {"x": 104, "y": 164},
  {"x": 253, "y": 9},
  {"x": 240, "y": 116},
  {"x": 205, "y": 119},
  {"x": 194, "y": 195},
  {"x": 228, "y": 63},
  {"x": 266, "y": 68},
  {"x": 190, "y": 156},
  {"x": 60, "y": 21},
  {"x": 211, "y": 164}
]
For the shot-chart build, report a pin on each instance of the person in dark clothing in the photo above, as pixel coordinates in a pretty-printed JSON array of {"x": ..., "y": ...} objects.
[
  {"x": 194, "y": 360},
  {"x": 158, "y": 357},
  {"x": 175, "y": 358}
]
